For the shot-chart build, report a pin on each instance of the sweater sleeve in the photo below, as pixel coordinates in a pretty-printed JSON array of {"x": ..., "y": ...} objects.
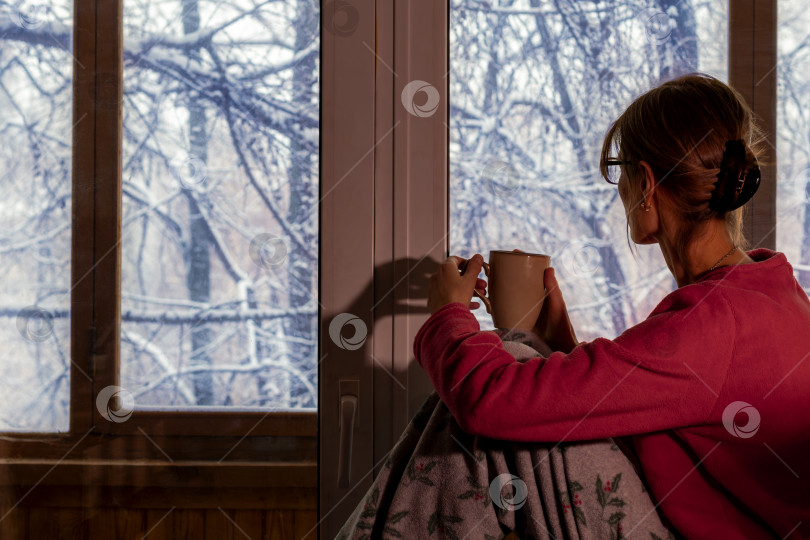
[{"x": 666, "y": 372}]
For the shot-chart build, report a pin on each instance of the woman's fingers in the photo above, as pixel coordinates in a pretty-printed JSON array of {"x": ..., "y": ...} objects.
[
  {"x": 480, "y": 284},
  {"x": 553, "y": 324},
  {"x": 551, "y": 285},
  {"x": 556, "y": 308}
]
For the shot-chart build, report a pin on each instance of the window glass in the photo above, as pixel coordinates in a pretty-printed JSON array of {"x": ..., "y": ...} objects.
[
  {"x": 534, "y": 87},
  {"x": 220, "y": 214},
  {"x": 793, "y": 137},
  {"x": 36, "y": 78}
]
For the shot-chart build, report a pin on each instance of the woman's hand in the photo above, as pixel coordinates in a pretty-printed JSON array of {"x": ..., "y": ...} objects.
[
  {"x": 553, "y": 325},
  {"x": 448, "y": 285}
]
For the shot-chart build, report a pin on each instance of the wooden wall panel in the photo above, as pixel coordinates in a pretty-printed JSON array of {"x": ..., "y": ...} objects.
[
  {"x": 118, "y": 523},
  {"x": 305, "y": 522},
  {"x": 223, "y": 524},
  {"x": 56, "y": 523},
  {"x": 219, "y": 525},
  {"x": 159, "y": 524},
  {"x": 13, "y": 523},
  {"x": 66, "y": 512},
  {"x": 187, "y": 523},
  {"x": 279, "y": 524},
  {"x": 250, "y": 522}
]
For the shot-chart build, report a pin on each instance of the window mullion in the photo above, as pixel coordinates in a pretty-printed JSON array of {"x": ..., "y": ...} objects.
[
  {"x": 106, "y": 276},
  {"x": 752, "y": 71},
  {"x": 83, "y": 187}
]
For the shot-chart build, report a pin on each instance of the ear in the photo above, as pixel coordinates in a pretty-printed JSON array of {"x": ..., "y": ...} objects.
[
  {"x": 649, "y": 223},
  {"x": 647, "y": 182}
]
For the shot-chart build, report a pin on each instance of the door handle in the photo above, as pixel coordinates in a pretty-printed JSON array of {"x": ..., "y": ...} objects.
[{"x": 348, "y": 413}]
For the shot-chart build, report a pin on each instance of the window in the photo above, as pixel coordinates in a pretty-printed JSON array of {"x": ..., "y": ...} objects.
[
  {"x": 36, "y": 77},
  {"x": 533, "y": 88},
  {"x": 220, "y": 216},
  {"x": 793, "y": 138},
  {"x": 217, "y": 188}
]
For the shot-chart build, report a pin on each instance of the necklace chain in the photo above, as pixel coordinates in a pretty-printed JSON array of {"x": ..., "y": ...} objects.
[{"x": 721, "y": 260}]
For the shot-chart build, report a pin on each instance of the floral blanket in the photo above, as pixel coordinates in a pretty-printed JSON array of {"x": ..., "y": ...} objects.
[{"x": 440, "y": 482}]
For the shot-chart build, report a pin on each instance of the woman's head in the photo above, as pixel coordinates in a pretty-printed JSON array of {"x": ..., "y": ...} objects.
[{"x": 678, "y": 132}]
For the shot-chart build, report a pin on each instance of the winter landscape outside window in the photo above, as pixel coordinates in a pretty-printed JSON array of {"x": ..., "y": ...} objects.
[
  {"x": 36, "y": 77},
  {"x": 220, "y": 214},
  {"x": 793, "y": 137},
  {"x": 534, "y": 85}
]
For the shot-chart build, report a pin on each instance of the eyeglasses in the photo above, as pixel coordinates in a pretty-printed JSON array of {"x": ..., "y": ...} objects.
[{"x": 613, "y": 170}]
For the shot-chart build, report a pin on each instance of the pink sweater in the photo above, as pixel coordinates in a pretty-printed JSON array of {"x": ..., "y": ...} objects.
[{"x": 735, "y": 341}]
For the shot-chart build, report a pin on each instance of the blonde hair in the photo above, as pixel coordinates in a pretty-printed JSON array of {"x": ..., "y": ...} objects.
[{"x": 680, "y": 129}]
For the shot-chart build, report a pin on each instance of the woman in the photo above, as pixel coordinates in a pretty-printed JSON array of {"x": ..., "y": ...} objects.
[{"x": 710, "y": 392}]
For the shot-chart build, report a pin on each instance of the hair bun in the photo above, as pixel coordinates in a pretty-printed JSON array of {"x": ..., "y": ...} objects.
[{"x": 736, "y": 183}]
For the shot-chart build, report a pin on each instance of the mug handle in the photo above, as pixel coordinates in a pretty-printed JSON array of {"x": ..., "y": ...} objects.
[{"x": 481, "y": 296}]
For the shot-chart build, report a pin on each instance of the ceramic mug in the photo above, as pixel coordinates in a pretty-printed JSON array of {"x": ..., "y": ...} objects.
[{"x": 516, "y": 288}]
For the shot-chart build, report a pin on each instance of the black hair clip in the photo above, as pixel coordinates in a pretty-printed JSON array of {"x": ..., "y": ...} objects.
[{"x": 725, "y": 197}]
